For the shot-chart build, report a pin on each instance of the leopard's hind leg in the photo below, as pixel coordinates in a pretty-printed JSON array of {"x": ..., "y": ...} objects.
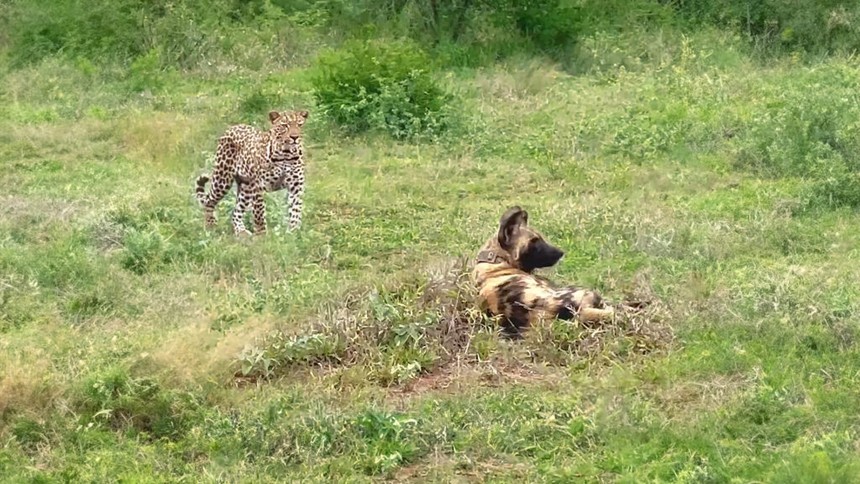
[
  {"x": 221, "y": 181},
  {"x": 257, "y": 198},
  {"x": 244, "y": 198}
]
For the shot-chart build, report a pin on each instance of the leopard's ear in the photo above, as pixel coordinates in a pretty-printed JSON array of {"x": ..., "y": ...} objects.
[
  {"x": 511, "y": 220},
  {"x": 274, "y": 115},
  {"x": 304, "y": 114}
]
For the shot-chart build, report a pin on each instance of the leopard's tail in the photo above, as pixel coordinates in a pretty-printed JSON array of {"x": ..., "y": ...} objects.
[{"x": 200, "y": 191}]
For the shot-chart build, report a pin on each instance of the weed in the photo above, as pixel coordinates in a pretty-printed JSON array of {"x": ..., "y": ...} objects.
[
  {"x": 28, "y": 432},
  {"x": 386, "y": 437}
]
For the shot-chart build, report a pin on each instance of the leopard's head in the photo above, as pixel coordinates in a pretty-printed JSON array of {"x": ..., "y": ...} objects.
[{"x": 287, "y": 131}]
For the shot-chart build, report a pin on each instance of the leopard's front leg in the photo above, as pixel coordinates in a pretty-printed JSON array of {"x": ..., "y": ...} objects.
[{"x": 295, "y": 199}]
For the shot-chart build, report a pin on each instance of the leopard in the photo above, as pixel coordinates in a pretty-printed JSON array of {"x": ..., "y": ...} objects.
[{"x": 258, "y": 162}]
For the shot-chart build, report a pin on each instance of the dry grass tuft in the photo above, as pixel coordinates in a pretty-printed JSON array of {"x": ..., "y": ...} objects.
[
  {"x": 421, "y": 325},
  {"x": 26, "y": 382}
]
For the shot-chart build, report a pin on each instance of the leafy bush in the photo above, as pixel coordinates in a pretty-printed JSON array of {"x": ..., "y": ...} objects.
[
  {"x": 478, "y": 32},
  {"x": 182, "y": 33},
  {"x": 809, "y": 129},
  {"x": 385, "y": 86}
]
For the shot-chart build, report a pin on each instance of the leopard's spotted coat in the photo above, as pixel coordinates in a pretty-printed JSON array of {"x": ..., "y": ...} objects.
[{"x": 258, "y": 162}]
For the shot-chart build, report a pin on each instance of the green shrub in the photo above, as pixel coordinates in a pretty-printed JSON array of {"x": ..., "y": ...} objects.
[
  {"x": 146, "y": 72},
  {"x": 838, "y": 187},
  {"x": 385, "y": 86},
  {"x": 120, "y": 401},
  {"x": 183, "y": 33},
  {"x": 809, "y": 129},
  {"x": 28, "y": 432},
  {"x": 142, "y": 250}
]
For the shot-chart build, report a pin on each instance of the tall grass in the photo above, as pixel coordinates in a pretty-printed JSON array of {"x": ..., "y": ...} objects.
[{"x": 193, "y": 33}]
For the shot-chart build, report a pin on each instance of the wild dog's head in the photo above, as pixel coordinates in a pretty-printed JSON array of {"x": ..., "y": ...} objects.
[{"x": 525, "y": 247}]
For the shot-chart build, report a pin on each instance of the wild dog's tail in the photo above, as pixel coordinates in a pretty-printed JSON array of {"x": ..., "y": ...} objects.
[{"x": 200, "y": 191}]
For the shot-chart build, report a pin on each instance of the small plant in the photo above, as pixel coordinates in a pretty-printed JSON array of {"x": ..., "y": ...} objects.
[
  {"x": 400, "y": 373},
  {"x": 28, "y": 433},
  {"x": 256, "y": 362},
  {"x": 118, "y": 400},
  {"x": 146, "y": 73},
  {"x": 143, "y": 250},
  {"x": 386, "y": 435},
  {"x": 385, "y": 86}
]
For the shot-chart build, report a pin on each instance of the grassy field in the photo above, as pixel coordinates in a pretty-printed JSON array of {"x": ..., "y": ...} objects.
[{"x": 135, "y": 346}]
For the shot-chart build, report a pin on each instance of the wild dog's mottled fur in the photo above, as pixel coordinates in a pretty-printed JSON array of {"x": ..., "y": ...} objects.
[{"x": 508, "y": 288}]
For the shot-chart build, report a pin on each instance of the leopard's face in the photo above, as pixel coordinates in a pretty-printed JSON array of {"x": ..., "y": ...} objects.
[{"x": 287, "y": 130}]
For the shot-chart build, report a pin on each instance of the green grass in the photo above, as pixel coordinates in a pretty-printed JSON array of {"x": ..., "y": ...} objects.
[{"x": 125, "y": 327}]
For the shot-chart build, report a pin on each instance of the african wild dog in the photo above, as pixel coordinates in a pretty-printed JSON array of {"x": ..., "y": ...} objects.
[{"x": 508, "y": 288}]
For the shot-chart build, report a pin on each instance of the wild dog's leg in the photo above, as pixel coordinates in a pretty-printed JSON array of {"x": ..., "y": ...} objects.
[
  {"x": 587, "y": 306},
  {"x": 243, "y": 198},
  {"x": 594, "y": 314},
  {"x": 591, "y": 308},
  {"x": 295, "y": 198}
]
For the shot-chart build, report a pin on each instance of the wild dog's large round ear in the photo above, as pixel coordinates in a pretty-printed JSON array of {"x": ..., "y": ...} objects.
[
  {"x": 274, "y": 115},
  {"x": 511, "y": 219}
]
